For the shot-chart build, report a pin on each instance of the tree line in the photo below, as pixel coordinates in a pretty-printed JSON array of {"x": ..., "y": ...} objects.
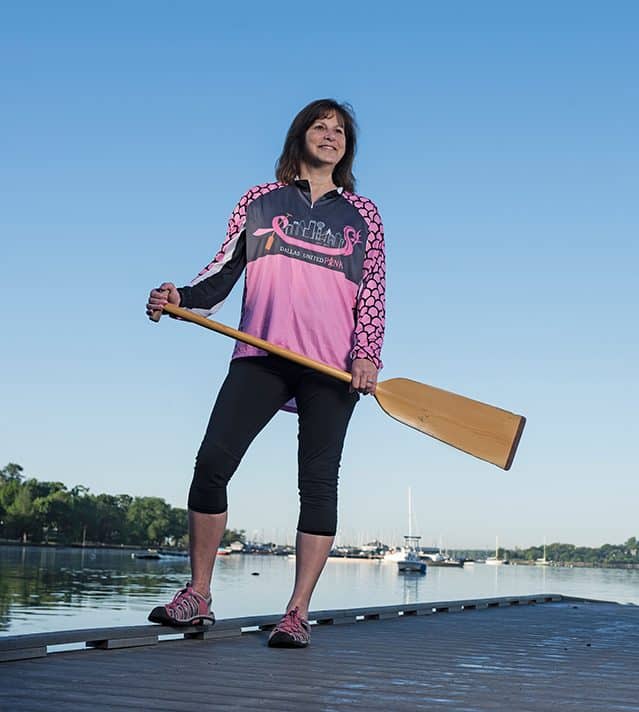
[
  {"x": 626, "y": 553},
  {"x": 48, "y": 512}
]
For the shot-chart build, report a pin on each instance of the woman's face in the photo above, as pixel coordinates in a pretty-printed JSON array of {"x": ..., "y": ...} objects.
[{"x": 325, "y": 142}]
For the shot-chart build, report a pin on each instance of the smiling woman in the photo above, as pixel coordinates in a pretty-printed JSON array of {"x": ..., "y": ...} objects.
[{"x": 313, "y": 252}]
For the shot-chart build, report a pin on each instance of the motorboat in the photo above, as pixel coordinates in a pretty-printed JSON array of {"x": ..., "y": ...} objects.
[
  {"x": 441, "y": 560},
  {"x": 410, "y": 561}
]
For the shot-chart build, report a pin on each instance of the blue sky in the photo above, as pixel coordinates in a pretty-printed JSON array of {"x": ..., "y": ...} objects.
[{"x": 500, "y": 144}]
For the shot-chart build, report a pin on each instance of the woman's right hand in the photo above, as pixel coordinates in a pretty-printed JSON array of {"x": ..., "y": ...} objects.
[{"x": 166, "y": 292}]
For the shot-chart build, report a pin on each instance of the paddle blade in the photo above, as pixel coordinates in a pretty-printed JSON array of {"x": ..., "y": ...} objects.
[{"x": 481, "y": 430}]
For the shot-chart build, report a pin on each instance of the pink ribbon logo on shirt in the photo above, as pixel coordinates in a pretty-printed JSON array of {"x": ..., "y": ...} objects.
[{"x": 352, "y": 237}]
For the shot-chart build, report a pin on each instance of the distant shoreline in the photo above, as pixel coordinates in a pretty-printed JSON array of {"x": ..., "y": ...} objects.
[{"x": 134, "y": 547}]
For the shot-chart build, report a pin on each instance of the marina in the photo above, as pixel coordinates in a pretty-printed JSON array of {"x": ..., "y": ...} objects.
[{"x": 45, "y": 589}]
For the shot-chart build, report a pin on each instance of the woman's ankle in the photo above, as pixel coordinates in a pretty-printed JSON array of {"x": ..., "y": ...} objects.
[
  {"x": 301, "y": 606},
  {"x": 202, "y": 589}
]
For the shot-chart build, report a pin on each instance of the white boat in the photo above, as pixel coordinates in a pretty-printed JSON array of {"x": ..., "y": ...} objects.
[
  {"x": 495, "y": 560},
  {"x": 410, "y": 561},
  {"x": 440, "y": 559},
  {"x": 395, "y": 555},
  {"x": 543, "y": 561}
]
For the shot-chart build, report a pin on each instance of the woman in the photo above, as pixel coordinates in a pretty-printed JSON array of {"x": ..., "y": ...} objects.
[{"x": 315, "y": 278}]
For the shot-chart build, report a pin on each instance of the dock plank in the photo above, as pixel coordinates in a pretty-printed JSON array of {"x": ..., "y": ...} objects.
[{"x": 559, "y": 656}]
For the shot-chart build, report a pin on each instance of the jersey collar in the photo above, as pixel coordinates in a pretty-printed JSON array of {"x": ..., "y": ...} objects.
[{"x": 306, "y": 187}]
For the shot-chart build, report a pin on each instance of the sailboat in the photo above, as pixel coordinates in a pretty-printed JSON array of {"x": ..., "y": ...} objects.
[
  {"x": 411, "y": 563},
  {"x": 495, "y": 560},
  {"x": 543, "y": 561}
]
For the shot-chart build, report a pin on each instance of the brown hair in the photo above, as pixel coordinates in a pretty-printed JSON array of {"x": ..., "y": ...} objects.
[{"x": 288, "y": 164}]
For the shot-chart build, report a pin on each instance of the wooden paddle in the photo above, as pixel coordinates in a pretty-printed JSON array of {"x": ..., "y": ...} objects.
[{"x": 481, "y": 430}]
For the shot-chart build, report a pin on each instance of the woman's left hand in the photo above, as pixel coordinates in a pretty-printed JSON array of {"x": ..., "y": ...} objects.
[{"x": 364, "y": 376}]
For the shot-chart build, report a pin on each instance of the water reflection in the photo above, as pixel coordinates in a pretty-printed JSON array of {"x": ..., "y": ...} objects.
[
  {"x": 411, "y": 589},
  {"x": 43, "y": 589},
  {"x": 34, "y": 580}
]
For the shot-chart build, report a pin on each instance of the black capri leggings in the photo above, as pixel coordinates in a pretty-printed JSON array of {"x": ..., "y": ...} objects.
[{"x": 253, "y": 391}]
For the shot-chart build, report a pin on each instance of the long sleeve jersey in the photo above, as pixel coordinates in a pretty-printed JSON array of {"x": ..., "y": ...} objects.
[{"x": 315, "y": 273}]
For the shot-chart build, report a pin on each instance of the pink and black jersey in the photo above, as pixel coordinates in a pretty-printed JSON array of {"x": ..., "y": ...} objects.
[{"x": 315, "y": 273}]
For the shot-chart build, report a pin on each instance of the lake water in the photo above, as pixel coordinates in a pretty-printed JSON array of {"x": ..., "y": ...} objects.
[{"x": 46, "y": 589}]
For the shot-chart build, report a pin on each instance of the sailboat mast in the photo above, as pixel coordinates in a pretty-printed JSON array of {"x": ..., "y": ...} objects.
[{"x": 410, "y": 513}]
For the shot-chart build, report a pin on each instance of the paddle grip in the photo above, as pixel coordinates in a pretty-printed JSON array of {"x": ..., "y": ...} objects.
[{"x": 155, "y": 316}]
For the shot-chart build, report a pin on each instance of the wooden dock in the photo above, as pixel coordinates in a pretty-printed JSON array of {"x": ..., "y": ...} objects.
[{"x": 510, "y": 654}]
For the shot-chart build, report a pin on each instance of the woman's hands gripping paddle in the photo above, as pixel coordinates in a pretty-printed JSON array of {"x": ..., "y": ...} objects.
[{"x": 166, "y": 293}]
